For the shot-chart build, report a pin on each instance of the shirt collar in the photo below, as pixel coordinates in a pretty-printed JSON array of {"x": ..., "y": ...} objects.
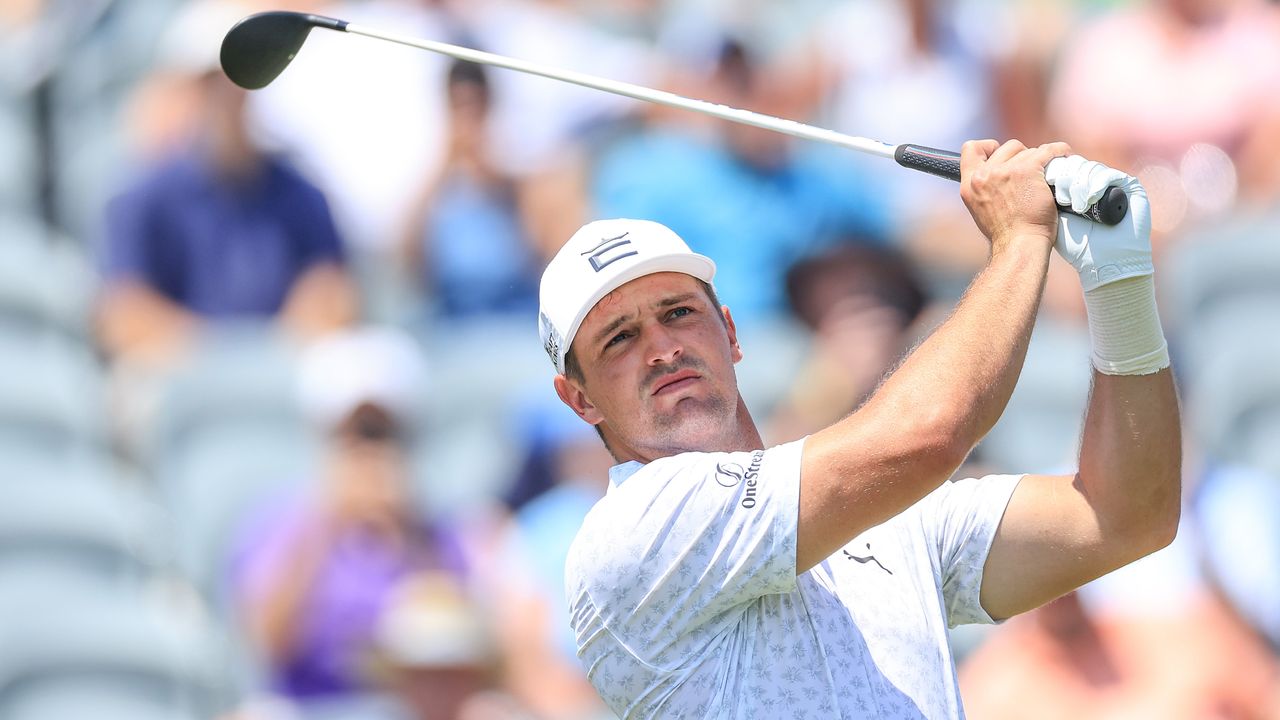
[{"x": 621, "y": 472}]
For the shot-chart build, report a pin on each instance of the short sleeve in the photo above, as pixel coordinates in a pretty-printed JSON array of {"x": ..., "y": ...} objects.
[
  {"x": 960, "y": 519},
  {"x": 314, "y": 228},
  {"x": 127, "y": 248},
  {"x": 684, "y": 544}
]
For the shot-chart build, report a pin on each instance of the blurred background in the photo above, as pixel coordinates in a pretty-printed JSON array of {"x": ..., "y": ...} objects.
[{"x": 277, "y": 436}]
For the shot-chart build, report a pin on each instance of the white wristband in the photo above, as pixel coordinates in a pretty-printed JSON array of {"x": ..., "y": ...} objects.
[{"x": 1125, "y": 327}]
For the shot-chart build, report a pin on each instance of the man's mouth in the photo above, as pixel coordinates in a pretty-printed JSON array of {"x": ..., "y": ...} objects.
[{"x": 675, "y": 381}]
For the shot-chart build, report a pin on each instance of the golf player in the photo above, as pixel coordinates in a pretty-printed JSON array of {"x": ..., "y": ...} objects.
[{"x": 719, "y": 578}]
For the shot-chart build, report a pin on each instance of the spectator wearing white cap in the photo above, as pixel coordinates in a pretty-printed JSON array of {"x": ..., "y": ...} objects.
[{"x": 315, "y": 573}]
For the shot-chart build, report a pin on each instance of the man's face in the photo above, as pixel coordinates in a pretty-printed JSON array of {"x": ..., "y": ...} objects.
[{"x": 657, "y": 369}]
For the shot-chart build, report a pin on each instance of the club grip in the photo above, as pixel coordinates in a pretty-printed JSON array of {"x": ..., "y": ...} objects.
[{"x": 1109, "y": 210}]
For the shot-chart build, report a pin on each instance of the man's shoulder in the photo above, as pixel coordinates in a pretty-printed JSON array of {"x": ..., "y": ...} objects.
[
  {"x": 639, "y": 497},
  {"x": 643, "y": 502}
]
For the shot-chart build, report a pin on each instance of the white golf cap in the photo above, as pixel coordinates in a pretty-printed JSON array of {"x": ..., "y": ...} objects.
[
  {"x": 599, "y": 258},
  {"x": 193, "y": 40},
  {"x": 343, "y": 370}
]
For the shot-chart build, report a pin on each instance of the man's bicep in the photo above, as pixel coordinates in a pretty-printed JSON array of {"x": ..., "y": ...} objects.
[
  {"x": 859, "y": 473},
  {"x": 1049, "y": 542}
]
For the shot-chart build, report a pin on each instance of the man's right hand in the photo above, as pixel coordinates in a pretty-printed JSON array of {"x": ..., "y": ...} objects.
[{"x": 1004, "y": 188}]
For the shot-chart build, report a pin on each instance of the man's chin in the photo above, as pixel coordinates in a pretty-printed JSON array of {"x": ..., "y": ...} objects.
[{"x": 692, "y": 422}]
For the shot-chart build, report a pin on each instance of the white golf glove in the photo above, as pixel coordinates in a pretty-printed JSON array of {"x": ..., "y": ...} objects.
[
  {"x": 1114, "y": 263},
  {"x": 1100, "y": 253}
]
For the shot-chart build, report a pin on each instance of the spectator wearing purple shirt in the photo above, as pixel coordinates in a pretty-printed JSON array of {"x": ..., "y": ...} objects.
[{"x": 314, "y": 573}]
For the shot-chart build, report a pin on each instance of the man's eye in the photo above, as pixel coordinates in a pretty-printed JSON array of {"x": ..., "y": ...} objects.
[
  {"x": 680, "y": 312},
  {"x": 616, "y": 339}
]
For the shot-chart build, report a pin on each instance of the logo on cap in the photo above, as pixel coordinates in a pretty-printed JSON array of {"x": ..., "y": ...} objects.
[
  {"x": 551, "y": 339},
  {"x": 609, "y": 251}
]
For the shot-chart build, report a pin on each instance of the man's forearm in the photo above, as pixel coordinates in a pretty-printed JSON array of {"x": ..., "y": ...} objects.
[
  {"x": 918, "y": 427},
  {"x": 1131, "y": 458},
  {"x": 948, "y": 393},
  {"x": 966, "y": 371}
]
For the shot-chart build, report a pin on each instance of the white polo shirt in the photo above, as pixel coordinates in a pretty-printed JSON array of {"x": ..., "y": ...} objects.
[{"x": 684, "y": 597}]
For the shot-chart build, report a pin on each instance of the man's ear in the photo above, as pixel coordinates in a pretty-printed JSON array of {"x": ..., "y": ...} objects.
[
  {"x": 732, "y": 329},
  {"x": 574, "y": 395}
]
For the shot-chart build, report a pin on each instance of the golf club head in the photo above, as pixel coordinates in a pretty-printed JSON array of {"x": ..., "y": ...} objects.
[{"x": 261, "y": 46}]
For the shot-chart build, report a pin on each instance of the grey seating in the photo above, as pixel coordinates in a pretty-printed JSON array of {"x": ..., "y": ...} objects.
[
  {"x": 110, "y": 656},
  {"x": 476, "y": 373},
  {"x": 240, "y": 376},
  {"x": 16, "y": 146},
  {"x": 221, "y": 479},
  {"x": 51, "y": 399},
  {"x": 1229, "y": 272},
  {"x": 1040, "y": 428},
  {"x": 46, "y": 282},
  {"x": 77, "y": 533},
  {"x": 228, "y": 432},
  {"x": 1234, "y": 402}
]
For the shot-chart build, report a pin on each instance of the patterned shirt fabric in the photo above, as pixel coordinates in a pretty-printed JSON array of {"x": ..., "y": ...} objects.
[{"x": 685, "y": 601}]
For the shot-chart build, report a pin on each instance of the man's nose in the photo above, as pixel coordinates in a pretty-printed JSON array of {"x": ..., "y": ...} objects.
[{"x": 662, "y": 347}]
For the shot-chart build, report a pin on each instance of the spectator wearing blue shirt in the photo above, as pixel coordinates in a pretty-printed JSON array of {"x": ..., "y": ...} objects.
[
  {"x": 763, "y": 204},
  {"x": 465, "y": 240},
  {"x": 218, "y": 230}
]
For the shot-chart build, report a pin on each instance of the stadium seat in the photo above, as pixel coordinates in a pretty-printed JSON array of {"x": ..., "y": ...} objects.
[
  {"x": 240, "y": 376},
  {"x": 46, "y": 283},
  {"x": 106, "y": 657},
  {"x": 1040, "y": 428},
  {"x": 17, "y": 192},
  {"x": 1234, "y": 402},
  {"x": 1229, "y": 271},
  {"x": 76, "y": 533},
  {"x": 218, "y": 480},
  {"x": 109, "y": 46},
  {"x": 50, "y": 399},
  {"x": 476, "y": 373}
]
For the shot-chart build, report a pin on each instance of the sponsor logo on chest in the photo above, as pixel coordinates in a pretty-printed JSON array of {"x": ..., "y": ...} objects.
[{"x": 730, "y": 474}]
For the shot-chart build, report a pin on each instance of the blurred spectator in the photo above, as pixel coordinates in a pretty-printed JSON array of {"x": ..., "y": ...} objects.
[
  {"x": 315, "y": 573},
  {"x": 219, "y": 230},
  {"x": 465, "y": 241},
  {"x": 543, "y": 670},
  {"x": 537, "y": 122},
  {"x": 1148, "y": 641},
  {"x": 919, "y": 71},
  {"x": 540, "y": 128},
  {"x": 363, "y": 118},
  {"x": 1237, "y": 511},
  {"x": 439, "y": 654},
  {"x": 890, "y": 65},
  {"x": 747, "y": 197},
  {"x": 1182, "y": 93},
  {"x": 859, "y": 301}
]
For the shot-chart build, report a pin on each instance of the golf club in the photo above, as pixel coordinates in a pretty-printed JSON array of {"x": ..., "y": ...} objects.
[{"x": 259, "y": 47}]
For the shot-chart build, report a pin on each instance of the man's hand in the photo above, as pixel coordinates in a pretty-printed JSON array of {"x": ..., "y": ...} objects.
[
  {"x": 1100, "y": 253},
  {"x": 1004, "y": 188}
]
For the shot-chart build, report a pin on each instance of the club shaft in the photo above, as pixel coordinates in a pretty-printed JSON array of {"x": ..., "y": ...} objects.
[{"x": 638, "y": 92}]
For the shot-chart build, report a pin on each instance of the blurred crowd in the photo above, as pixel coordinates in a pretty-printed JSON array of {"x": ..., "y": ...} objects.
[{"x": 277, "y": 436}]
